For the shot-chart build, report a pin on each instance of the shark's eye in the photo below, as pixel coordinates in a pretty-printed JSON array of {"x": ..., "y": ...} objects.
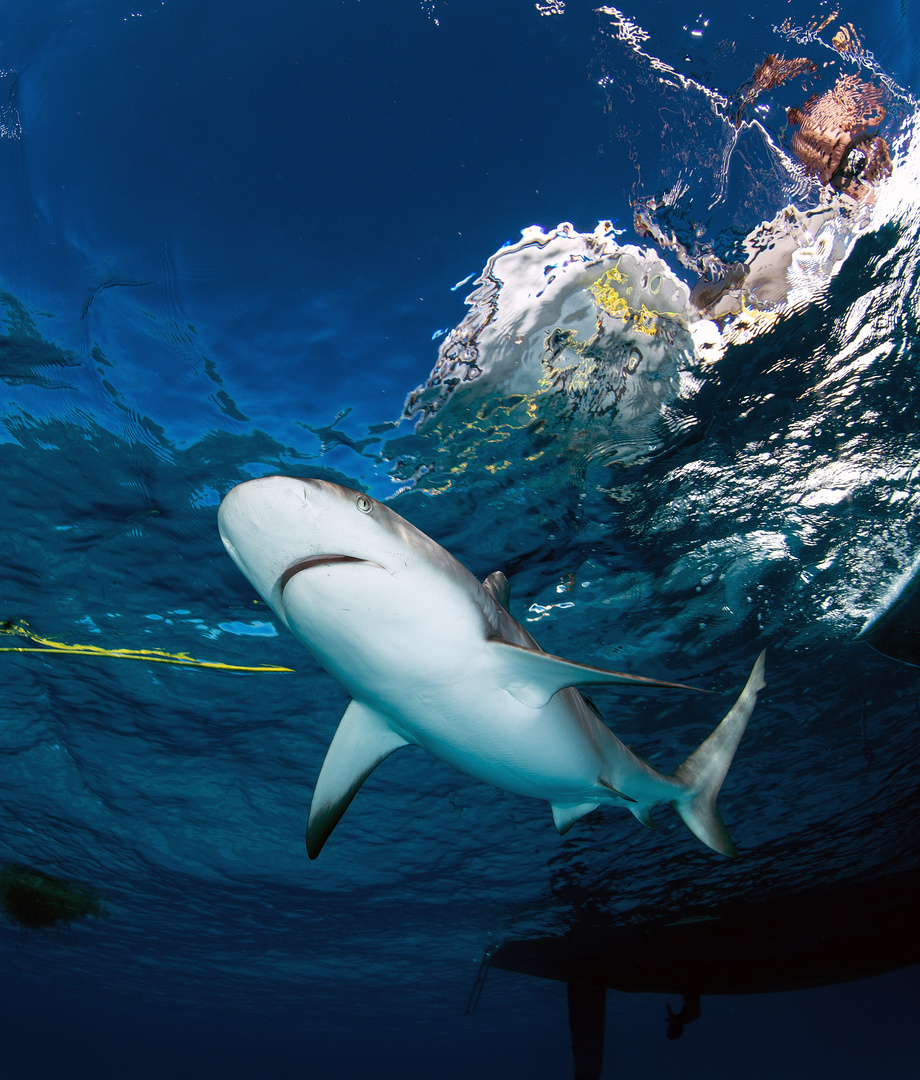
[{"x": 364, "y": 504}]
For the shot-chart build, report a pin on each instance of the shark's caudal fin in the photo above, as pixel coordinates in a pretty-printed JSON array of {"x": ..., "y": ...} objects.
[
  {"x": 362, "y": 740},
  {"x": 705, "y": 769}
]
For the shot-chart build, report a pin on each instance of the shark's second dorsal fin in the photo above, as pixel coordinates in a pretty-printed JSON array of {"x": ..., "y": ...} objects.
[
  {"x": 533, "y": 677},
  {"x": 362, "y": 740},
  {"x": 496, "y": 585}
]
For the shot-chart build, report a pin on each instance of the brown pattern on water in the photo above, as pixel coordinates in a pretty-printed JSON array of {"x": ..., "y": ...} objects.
[
  {"x": 772, "y": 72},
  {"x": 832, "y": 126}
]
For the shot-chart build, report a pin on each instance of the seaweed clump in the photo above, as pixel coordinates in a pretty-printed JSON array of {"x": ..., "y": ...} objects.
[{"x": 35, "y": 900}]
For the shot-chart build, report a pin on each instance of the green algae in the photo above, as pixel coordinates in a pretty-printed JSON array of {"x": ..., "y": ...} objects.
[{"x": 34, "y": 900}]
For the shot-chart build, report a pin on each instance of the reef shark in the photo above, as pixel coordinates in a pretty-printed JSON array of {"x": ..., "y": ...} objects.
[{"x": 432, "y": 657}]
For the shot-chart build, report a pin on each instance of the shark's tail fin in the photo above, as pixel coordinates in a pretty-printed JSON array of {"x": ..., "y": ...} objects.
[{"x": 705, "y": 769}]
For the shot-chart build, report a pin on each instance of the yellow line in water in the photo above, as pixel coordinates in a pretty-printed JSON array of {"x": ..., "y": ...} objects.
[{"x": 153, "y": 656}]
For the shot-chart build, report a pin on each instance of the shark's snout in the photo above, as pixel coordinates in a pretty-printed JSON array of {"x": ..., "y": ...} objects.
[{"x": 267, "y": 526}]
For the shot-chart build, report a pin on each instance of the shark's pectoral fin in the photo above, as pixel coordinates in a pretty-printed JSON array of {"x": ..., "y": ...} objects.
[
  {"x": 564, "y": 817},
  {"x": 533, "y": 677},
  {"x": 496, "y": 585},
  {"x": 363, "y": 739}
]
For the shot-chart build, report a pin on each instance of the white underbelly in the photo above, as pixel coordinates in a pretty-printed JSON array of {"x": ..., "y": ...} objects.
[{"x": 543, "y": 753}]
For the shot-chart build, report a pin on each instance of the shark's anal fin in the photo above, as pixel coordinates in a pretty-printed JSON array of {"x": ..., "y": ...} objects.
[
  {"x": 533, "y": 677},
  {"x": 564, "y": 817},
  {"x": 496, "y": 585},
  {"x": 362, "y": 740}
]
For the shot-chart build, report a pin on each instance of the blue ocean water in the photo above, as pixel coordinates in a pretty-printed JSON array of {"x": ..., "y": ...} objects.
[{"x": 235, "y": 242}]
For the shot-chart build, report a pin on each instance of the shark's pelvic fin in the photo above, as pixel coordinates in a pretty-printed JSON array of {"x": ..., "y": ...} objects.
[
  {"x": 533, "y": 677},
  {"x": 362, "y": 740},
  {"x": 496, "y": 585},
  {"x": 564, "y": 817},
  {"x": 705, "y": 769},
  {"x": 643, "y": 814}
]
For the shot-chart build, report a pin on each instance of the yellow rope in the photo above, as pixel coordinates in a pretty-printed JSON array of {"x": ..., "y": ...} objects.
[{"x": 153, "y": 656}]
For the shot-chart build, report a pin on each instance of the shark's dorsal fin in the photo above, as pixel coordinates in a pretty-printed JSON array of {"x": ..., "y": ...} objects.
[
  {"x": 533, "y": 677},
  {"x": 496, "y": 585},
  {"x": 362, "y": 740}
]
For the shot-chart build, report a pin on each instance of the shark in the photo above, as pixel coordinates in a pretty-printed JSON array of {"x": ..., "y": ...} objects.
[{"x": 433, "y": 658}]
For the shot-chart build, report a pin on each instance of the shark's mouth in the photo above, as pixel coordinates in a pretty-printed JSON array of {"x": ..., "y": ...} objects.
[{"x": 309, "y": 563}]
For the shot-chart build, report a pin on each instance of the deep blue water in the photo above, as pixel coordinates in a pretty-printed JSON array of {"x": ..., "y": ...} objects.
[{"x": 232, "y": 243}]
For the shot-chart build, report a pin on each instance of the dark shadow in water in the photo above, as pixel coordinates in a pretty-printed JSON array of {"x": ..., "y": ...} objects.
[
  {"x": 822, "y": 936},
  {"x": 897, "y": 632}
]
